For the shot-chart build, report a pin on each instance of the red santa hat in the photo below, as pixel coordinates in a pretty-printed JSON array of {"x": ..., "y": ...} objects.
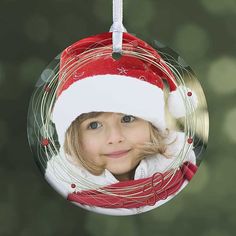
[{"x": 91, "y": 80}]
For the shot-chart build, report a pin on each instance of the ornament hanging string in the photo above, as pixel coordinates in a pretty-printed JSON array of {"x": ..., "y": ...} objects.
[
  {"x": 46, "y": 142},
  {"x": 117, "y": 27}
]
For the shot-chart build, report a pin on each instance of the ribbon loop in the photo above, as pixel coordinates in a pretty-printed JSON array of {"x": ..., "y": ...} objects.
[{"x": 117, "y": 27}]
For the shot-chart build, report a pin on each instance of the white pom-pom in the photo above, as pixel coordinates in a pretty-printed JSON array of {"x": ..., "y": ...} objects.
[{"x": 182, "y": 102}]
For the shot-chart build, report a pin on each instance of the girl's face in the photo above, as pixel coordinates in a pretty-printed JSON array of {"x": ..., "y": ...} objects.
[{"x": 112, "y": 137}]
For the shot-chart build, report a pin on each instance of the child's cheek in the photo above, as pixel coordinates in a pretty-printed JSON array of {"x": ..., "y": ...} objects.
[
  {"x": 139, "y": 136},
  {"x": 91, "y": 143}
]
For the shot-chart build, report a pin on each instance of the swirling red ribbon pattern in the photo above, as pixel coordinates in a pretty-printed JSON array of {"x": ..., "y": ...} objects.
[{"x": 136, "y": 193}]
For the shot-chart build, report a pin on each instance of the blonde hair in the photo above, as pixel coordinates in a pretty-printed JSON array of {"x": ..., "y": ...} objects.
[{"x": 73, "y": 149}]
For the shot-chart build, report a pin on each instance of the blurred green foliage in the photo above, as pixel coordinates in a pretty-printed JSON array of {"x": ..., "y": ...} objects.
[{"x": 34, "y": 32}]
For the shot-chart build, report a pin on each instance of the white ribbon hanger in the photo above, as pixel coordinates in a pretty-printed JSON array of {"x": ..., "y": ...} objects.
[{"x": 117, "y": 27}]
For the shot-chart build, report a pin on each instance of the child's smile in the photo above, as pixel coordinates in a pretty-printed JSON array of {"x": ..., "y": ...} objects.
[
  {"x": 112, "y": 138},
  {"x": 118, "y": 154}
]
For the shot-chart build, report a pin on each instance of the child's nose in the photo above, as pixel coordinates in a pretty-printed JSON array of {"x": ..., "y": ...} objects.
[{"x": 115, "y": 135}]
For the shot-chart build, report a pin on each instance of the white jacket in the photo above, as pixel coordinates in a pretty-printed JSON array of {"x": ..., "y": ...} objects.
[{"x": 61, "y": 173}]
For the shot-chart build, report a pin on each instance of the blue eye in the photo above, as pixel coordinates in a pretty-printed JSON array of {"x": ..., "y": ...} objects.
[
  {"x": 94, "y": 125},
  {"x": 127, "y": 119}
]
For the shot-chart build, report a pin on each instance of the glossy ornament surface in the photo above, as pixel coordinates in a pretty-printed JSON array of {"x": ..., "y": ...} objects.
[{"x": 149, "y": 82}]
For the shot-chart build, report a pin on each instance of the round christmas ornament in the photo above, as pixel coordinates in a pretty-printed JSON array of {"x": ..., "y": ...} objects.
[{"x": 118, "y": 125}]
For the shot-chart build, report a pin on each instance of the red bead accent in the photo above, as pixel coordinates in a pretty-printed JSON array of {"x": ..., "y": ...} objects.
[
  {"x": 189, "y": 94},
  {"x": 45, "y": 142},
  {"x": 73, "y": 185},
  {"x": 190, "y": 140}
]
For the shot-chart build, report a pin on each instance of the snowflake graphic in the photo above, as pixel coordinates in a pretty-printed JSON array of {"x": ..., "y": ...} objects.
[{"x": 122, "y": 71}]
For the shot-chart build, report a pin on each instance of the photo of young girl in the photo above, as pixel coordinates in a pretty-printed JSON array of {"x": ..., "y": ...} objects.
[{"x": 117, "y": 155}]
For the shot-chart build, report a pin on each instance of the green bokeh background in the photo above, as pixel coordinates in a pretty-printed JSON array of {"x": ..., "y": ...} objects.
[{"x": 33, "y": 32}]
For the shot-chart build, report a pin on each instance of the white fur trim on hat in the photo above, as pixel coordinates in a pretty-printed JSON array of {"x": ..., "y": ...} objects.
[
  {"x": 109, "y": 93},
  {"x": 179, "y": 103}
]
